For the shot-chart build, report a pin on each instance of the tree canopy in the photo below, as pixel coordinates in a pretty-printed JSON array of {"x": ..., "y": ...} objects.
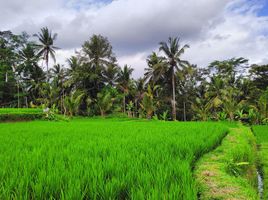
[{"x": 93, "y": 83}]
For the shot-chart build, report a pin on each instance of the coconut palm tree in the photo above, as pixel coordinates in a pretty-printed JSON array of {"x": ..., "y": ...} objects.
[
  {"x": 156, "y": 69},
  {"x": 173, "y": 52},
  {"x": 46, "y": 46},
  {"x": 98, "y": 52},
  {"x": 72, "y": 103},
  {"x": 104, "y": 101},
  {"x": 29, "y": 71},
  {"x": 110, "y": 74},
  {"x": 73, "y": 64},
  {"x": 124, "y": 82}
]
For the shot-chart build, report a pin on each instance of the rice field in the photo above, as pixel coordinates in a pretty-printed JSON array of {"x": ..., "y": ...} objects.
[
  {"x": 20, "y": 114},
  {"x": 261, "y": 133},
  {"x": 20, "y": 110},
  {"x": 103, "y": 159}
]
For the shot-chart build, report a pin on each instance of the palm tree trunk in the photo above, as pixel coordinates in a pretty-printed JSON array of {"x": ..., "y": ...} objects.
[
  {"x": 124, "y": 103},
  {"x": 47, "y": 65},
  {"x": 26, "y": 102},
  {"x": 173, "y": 101},
  {"x": 102, "y": 113},
  {"x": 18, "y": 95},
  {"x": 231, "y": 115},
  {"x": 184, "y": 110}
]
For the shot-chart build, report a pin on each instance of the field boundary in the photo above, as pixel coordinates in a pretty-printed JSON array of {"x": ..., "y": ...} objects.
[
  {"x": 261, "y": 134},
  {"x": 229, "y": 171},
  {"x": 20, "y": 114}
]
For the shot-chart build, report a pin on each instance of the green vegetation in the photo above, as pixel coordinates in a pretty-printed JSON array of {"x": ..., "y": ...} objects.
[
  {"x": 262, "y": 139},
  {"x": 15, "y": 114},
  {"x": 229, "y": 171},
  {"x": 103, "y": 159},
  {"x": 123, "y": 158},
  {"x": 93, "y": 83}
]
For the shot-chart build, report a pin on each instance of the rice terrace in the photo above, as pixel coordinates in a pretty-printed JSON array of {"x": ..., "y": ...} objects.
[{"x": 134, "y": 99}]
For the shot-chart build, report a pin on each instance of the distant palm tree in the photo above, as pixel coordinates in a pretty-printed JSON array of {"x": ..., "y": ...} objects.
[
  {"x": 98, "y": 51},
  {"x": 74, "y": 64},
  {"x": 110, "y": 74},
  {"x": 29, "y": 71},
  {"x": 156, "y": 69},
  {"x": 46, "y": 47},
  {"x": 28, "y": 67},
  {"x": 58, "y": 73},
  {"x": 139, "y": 87},
  {"x": 173, "y": 52},
  {"x": 104, "y": 101},
  {"x": 124, "y": 82}
]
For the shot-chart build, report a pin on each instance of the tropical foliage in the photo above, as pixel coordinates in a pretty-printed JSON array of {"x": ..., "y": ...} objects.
[{"x": 93, "y": 83}]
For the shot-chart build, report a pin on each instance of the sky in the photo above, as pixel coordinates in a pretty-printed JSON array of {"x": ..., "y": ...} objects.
[{"x": 214, "y": 29}]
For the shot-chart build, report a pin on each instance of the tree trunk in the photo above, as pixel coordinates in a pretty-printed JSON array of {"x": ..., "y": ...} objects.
[
  {"x": 173, "y": 101},
  {"x": 26, "y": 101},
  {"x": 124, "y": 103},
  {"x": 184, "y": 111},
  {"x": 47, "y": 66},
  {"x": 18, "y": 95},
  {"x": 231, "y": 115},
  {"x": 102, "y": 113}
]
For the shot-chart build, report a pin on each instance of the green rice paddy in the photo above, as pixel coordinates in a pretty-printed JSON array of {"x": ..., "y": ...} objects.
[
  {"x": 103, "y": 159},
  {"x": 20, "y": 110}
]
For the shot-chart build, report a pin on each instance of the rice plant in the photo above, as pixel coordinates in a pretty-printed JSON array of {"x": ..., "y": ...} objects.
[{"x": 103, "y": 159}]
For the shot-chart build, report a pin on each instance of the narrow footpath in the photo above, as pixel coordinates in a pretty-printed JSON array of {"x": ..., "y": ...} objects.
[{"x": 229, "y": 172}]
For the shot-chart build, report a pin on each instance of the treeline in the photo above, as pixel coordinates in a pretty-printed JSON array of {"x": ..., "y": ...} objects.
[{"x": 94, "y": 84}]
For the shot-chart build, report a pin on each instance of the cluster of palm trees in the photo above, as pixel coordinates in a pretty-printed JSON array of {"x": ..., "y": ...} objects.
[{"x": 94, "y": 84}]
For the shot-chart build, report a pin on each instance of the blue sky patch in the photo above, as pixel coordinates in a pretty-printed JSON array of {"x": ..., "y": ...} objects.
[{"x": 264, "y": 10}]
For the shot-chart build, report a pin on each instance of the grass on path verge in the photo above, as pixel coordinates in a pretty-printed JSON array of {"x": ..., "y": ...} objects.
[{"x": 229, "y": 171}]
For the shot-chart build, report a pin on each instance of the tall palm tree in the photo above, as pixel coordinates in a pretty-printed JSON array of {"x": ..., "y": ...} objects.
[
  {"x": 139, "y": 87},
  {"x": 28, "y": 67},
  {"x": 156, "y": 69},
  {"x": 46, "y": 47},
  {"x": 110, "y": 74},
  {"x": 73, "y": 63},
  {"x": 29, "y": 71},
  {"x": 58, "y": 73},
  {"x": 173, "y": 52},
  {"x": 124, "y": 82}
]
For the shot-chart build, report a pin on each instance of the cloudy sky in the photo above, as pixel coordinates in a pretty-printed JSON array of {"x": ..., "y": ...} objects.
[{"x": 215, "y": 29}]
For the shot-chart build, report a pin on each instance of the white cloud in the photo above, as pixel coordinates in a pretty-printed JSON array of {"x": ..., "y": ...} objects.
[
  {"x": 215, "y": 29},
  {"x": 241, "y": 34},
  {"x": 136, "y": 61}
]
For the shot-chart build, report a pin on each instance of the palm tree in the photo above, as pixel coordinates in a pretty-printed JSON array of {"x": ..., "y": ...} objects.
[
  {"x": 139, "y": 87},
  {"x": 104, "y": 101},
  {"x": 230, "y": 70},
  {"x": 72, "y": 103},
  {"x": 29, "y": 71},
  {"x": 73, "y": 63},
  {"x": 46, "y": 47},
  {"x": 98, "y": 52},
  {"x": 156, "y": 70},
  {"x": 58, "y": 75},
  {"x": 173, "y": 52},
  {"x": 124, "y": 82},
  {"x": 110, "y": 74}
]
